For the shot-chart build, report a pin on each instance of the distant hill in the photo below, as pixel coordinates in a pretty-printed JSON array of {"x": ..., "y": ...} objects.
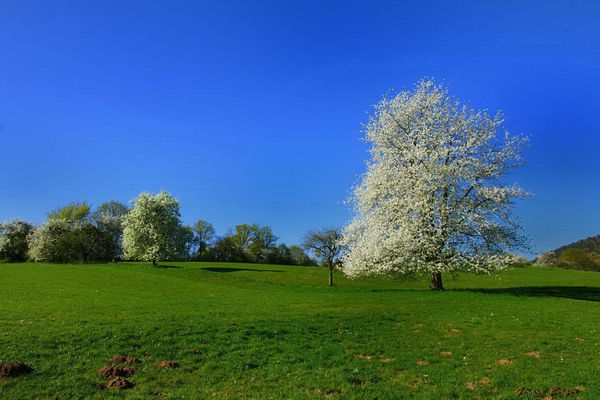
[
  {"x": 589, "y": 245},
  {"x": 584, "y": 255}
]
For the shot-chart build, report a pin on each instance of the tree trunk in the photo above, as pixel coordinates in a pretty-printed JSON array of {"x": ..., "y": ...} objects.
[
  {"x": 154, "y": 263},
  {"x": 436, "y": 281},
  {"x": 330, "y": 274}
]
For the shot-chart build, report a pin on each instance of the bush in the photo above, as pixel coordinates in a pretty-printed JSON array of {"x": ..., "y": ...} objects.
[
  {"x": 13, "y": 240},
  {"x": 60, "y": 241}
]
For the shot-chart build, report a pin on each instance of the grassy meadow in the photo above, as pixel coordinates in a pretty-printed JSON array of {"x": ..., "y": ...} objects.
[{"x": 247, "y": 331}]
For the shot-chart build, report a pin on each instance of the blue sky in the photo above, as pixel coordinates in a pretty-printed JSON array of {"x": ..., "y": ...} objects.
[{"x": 252, "y": 111}]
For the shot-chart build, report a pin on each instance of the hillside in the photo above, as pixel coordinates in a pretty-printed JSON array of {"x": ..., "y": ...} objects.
[
  {"x": 582, "y": 255},
  {"x": 248, "y": 331},
  {"x": 589, "y": 245}
]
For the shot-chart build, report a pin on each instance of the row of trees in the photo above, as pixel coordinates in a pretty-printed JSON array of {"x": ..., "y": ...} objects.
[
  {"x": 151, "y": 231},
  {"x": 71, "y": 233}
]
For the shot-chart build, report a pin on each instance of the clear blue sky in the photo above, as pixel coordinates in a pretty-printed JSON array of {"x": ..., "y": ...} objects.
[{"x": 252, "y": 111}]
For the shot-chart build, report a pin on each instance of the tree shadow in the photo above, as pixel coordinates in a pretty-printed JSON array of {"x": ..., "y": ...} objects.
[
  {"x": 230, "y": 269},
  {"x": 166, "y": 266},
  {"x": 588, "y": 293}
]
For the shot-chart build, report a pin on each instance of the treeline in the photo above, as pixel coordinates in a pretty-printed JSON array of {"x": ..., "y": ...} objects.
[{"x": 149, "y": 231}]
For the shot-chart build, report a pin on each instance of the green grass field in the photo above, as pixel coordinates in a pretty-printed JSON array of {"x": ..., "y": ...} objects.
[{"x": 244, "y": 331}]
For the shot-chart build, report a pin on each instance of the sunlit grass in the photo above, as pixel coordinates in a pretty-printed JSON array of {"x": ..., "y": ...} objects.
[{"x": 263, "y": 331}]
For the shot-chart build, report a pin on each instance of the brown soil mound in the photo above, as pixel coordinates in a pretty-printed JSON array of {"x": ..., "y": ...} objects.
[
  {"x": 112, "y": 371},
  {"x": 14, "y": 370},
  {"x": 168, "y": 364},
  {"x": 117, "y": 358},
  {"x": 131, "y": 360},
  {"x": 119, "y": 383},
  {"x": 124, "y": 359}
]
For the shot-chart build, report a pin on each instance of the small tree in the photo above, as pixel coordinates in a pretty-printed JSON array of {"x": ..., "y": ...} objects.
[
  {"x": 152, "y": 229},
  {"x": 240, "y": 238},
  {"x": 185, "y": 242},
  {"x": 13, "y": 240},
  {"x": 205, "y": 235},
  {"x": 432, "y": 199},
  {"x": 326, "y": 246},
  {"x": 224, "y": 250},
  {"x": 262, "y": 242},
  {"x": 299, "y": 257},
  {"x": 108, "y": 218}
]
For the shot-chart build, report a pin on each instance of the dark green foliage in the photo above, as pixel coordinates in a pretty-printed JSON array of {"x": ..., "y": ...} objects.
[
  {"x": 108, "y": 218},
  {"x": 252, "y": 243},
  {"x": 224, "y": 249},
  {"x": 204, "y": 236},
  {"x": 185, "y": 241},
  {"x": 589, "y": 245}
]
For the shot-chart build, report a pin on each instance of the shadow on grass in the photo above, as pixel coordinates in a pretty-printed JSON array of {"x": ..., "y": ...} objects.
[
  {"x": 569, "y": 292},
  {"x": 229, "y": 269},
  {"x": 166, "y": 266}
]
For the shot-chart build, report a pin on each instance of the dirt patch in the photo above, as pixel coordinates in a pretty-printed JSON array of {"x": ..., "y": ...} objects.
[
  {"x": 117, "y": 358},
  {"x": 129, "y": 360},
  {"x": 533, "y": 354},
  {"x": 119, "y": 383},
  {"x": 385, "y": 360},
  {"x": 480, "y": 383},
  {"x": 112, "y": 371},
  {"x": 194, "y": 351},
  {"x": 422, "y": 362},
  {"x": 455, "y": 330},
  {"x": 14, "y": 370},
  {"x": 328, "y": 393},
  {"x": 168, "y": 364},
  {"x": 446, "y": 353},
  {"x": 124, "y": 359},
  {"x": 504, "y": 361},
  {"x": 364, "y": 357}
]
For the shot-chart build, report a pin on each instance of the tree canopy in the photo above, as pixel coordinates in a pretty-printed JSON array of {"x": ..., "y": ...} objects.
[
  {"x": 153, "y": 230},
  {"x": 433, "y": 198}
]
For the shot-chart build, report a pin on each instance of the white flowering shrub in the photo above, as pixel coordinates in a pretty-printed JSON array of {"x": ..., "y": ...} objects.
[
  {"x": 432, "y": 199},
  {"x": 152, "y": 229},
  {"x": 13, "y": 240}
]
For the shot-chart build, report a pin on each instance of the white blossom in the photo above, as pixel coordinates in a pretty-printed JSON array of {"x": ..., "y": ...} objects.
[
  {"x": 432, "y": 199},
  {"x": 152, "y": 229}
]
